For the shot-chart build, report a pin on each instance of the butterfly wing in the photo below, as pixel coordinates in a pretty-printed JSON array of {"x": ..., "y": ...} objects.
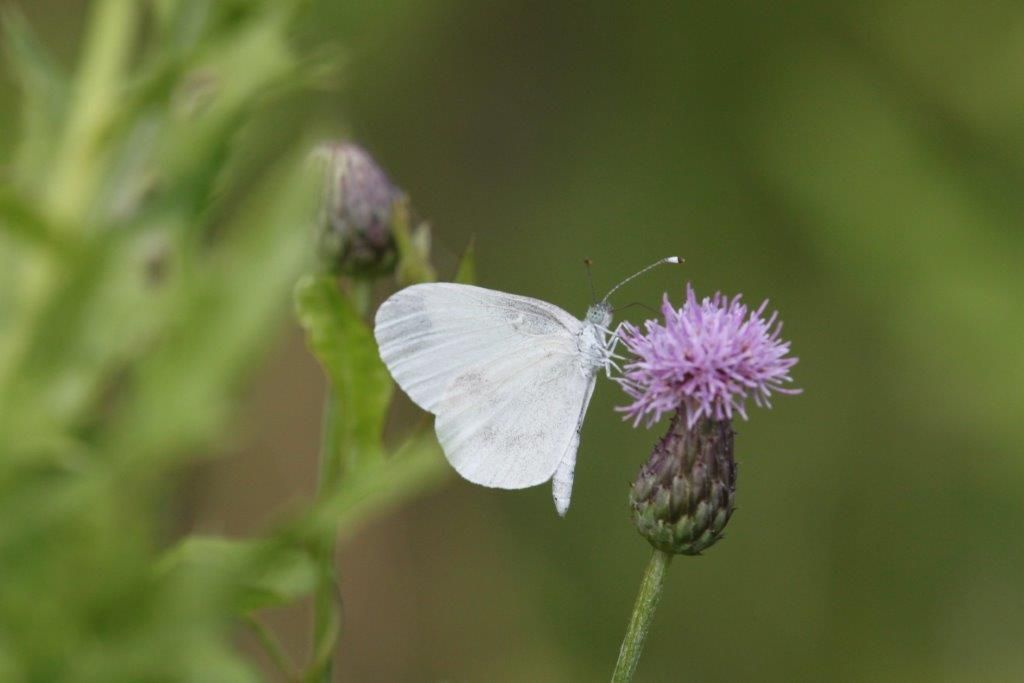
[
  {"x": 511, "y": 424},
  {"x": 561, "y": 481},
  {"x": 430, "y": 334},
  {"x": 500, "y": 371}
]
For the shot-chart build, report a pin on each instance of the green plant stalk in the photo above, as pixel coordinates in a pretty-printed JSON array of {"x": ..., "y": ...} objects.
[
  {"x": 326, "y": 600},
  {"x": 273, "y": 648},
  {"x": 326, "y": 606},
  {"x": 643, "y": 615},
  {"x": 111, "y": 36}
]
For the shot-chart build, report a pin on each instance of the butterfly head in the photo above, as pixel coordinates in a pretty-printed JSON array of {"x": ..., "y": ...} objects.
[{"x": 600, "y": 314}]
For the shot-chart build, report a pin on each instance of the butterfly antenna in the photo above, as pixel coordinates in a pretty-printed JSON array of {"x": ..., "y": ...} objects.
[
  {"x": 590, "y": 278},
  {"x": 670, "y": 259}
]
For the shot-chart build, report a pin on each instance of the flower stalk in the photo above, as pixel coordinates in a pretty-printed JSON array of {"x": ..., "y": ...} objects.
[
  {"x": 334, "y": 458},
  {"x": 326, "y": 600},
  {"x": 643, "y": 615}
]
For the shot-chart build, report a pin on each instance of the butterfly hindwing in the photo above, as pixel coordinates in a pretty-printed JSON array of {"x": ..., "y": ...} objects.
[{"x": 510, "y": 424}]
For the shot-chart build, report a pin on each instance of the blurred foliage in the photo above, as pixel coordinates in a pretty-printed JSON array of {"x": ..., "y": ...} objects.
[
  {"x": 144, "y": 270},
  {"x": 145, "y": 256}
]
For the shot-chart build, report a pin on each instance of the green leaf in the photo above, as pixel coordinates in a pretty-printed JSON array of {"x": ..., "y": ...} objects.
[
  {"x": 413, "y": 246},
  {"x": 44, "y": 91},
  {"x": 292, "y": 574},
  {"x": 224, "y": 315},
  {"x": 20, "y": 219},
  {"x": 346, "y": 349},
  {"x": 417, "y": 466},
  {"x": 219, "y": 88},
  {"x": 264, "y": 573},
  {"x": 101, "y": 300},
  {"x": 466, "y": 272}
]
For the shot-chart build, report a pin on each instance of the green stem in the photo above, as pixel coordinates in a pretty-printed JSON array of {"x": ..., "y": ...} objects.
[
  {"x": 76, "y": 169},
  {"x": 643, "y": 615},
  {"x": 108, "y": 47},
  {"x": 326, "y": 605},
  {"x": 326, "y": 599},
  {"x": 362, "y": 296},
  {"x": 273, "y": 649}
]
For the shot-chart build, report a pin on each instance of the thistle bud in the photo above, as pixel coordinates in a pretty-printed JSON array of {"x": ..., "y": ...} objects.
[
  {"x": 354, "y": 234},
  {"x": 685, "y": 493}
]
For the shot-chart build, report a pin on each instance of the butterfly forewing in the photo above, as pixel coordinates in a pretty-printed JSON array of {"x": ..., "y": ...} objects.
[{"x": 430, "y": 334}]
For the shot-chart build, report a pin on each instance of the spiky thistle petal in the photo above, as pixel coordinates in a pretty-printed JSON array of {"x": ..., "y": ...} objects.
[{"x": 706, "y": 360}]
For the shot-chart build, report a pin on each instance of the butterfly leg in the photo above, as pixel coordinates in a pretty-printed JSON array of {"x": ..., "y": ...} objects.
[
  {"x": 609, "y": 366},
  {"x": 614, "y": 341}
]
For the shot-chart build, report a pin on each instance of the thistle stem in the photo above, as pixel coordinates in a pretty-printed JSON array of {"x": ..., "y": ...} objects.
[
  {"x": 327, "y": 600},
  {"x": 643, "y": 615},
  {"x": 326, "y": 605}
]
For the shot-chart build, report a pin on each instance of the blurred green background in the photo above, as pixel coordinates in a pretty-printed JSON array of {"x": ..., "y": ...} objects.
[{"x": 861, "y": 164}]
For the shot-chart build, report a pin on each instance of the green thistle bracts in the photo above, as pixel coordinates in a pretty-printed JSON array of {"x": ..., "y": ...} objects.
[{"x": 685, "y": 493}]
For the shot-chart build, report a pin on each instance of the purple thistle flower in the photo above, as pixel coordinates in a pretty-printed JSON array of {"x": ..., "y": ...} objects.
[{"x": 707, "y": 359}]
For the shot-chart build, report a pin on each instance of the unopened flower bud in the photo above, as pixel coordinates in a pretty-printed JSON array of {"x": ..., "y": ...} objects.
[
  {"x": 685, "y": 493},
  {"x": 354, "y": 234}
]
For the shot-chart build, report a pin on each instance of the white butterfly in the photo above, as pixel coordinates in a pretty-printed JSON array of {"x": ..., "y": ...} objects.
[{"x": 508, "y": 377}]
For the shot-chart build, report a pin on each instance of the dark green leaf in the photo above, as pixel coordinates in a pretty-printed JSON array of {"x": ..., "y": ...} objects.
[
  {"x": 346, "y": 349},
  {"x": 417, "y": 466},
  {"x": 265, "y": 573},
  {"x": 413, "y": 246},
  {"x": 224, "y": 319},
  {"x": 20, "y": 219},
  {"x": 44, "y": 90},
  {"x": 466, "y": 272}
]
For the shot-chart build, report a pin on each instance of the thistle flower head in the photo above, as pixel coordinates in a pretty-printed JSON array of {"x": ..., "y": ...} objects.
[
  {"x": 355, "y": 235},
  {"x": 705, "y": 360}
]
